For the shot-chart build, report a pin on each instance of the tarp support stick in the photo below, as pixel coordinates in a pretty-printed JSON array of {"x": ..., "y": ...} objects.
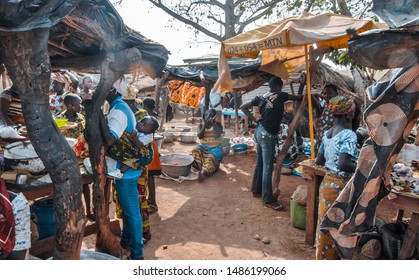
[{"x": 310, "y": 107}]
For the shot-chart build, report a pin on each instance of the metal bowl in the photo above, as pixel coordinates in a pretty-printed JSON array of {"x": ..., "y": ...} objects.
[
  {"x": 159, "y": 138},
  {"x": 170, "y": 136},
  {"x": 22, "y": 155},
  {"x": 188, "y": 137},
  {"x": 226, "y": 150},
  {"x": 225, "y": 143},
  {"x": 175, "y": 165},
  {"x": 173, "y": 129},
  {"x": 184, "y": 128},
  {"x": 237, "y": 148}
]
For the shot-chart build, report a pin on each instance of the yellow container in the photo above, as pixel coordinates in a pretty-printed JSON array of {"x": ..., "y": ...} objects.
[{"x": 61, "y": 122}]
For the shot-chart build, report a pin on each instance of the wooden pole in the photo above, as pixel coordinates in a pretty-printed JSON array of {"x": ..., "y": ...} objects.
[
  {"x": 236, "y": 112},
  {"x": 162, "y": 94},
  {"x": 314, "y": 65},
  {"x": 310, "y": 105},
  {"x": 281, "y": 156}
]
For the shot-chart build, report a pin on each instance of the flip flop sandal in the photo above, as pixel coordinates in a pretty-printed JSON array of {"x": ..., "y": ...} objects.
[
  {"x": 276, "y": 206},
  {"x": 256, "y": 194},
  {"x": 146, "y": 238},
  {"x": 152, "y": 209},
  {"x": 91, "y": 216}
]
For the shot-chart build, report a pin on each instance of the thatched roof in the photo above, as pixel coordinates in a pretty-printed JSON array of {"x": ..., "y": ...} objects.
[{"x": 82, "y": 33}]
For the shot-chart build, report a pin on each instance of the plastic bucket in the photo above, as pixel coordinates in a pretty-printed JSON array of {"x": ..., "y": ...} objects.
[
  {"x": 298, "y": 215},
  {"x": 44, "y": 217}
]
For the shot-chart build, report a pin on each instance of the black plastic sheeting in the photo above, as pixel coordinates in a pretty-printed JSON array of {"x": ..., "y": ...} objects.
[
  {"x": 392, "y": 48},
  {"x": 210, "y": 71},
  {"x": 82, "y": 41},
  {"x": 397, "y": 13},
  {"x": 26, "y": 15},
  {"x": 385, "y": 49}
]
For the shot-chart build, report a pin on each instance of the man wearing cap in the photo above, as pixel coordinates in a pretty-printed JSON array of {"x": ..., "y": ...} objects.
[{"x": 119, "y": 120}]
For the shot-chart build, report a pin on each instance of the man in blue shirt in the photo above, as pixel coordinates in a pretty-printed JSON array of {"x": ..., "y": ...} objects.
[{"x": 121, "y": 119}]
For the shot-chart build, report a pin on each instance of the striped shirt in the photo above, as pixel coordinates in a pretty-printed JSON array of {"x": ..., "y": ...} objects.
[{"x": 15, "y": 108}]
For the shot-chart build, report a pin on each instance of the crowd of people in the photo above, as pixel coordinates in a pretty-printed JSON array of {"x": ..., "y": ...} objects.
[
  {"x": 128, "y": 128},
  {"x": 337, "y": 143}
]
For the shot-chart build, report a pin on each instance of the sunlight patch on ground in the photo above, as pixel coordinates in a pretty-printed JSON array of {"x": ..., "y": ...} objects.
[
  {"x": 229, "y": 168},
  {"x": 197, "y": 251},
  {"x": 224, "y": 168},
  {"x": 243, "y": 172},
  {"x": 172, "y": 201}
]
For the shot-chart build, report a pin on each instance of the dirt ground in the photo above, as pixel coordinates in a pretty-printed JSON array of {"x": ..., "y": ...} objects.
[{"x": 218, "y": 219}]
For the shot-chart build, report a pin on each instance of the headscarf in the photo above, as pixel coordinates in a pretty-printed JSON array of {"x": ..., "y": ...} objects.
[
  {"x": 59, "y": 78},
  {"x": 121, "y": 87},
  {"x": 341, "y": 105},
  {"x": 131, "y": 93}
]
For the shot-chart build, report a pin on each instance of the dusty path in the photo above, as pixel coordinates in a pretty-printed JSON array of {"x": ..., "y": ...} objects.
[{"x": 218, "y": 219}]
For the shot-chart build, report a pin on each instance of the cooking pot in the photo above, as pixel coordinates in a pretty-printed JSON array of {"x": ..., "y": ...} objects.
[
  {"x": 184, "y": 128},
  {"x": 188, "y": 137},
  {"x": 159, "y": 138},
  {"x": 22, "y": 155},
  {"x": 175, "y": 165},
  {"x": 170, "y": 136}
]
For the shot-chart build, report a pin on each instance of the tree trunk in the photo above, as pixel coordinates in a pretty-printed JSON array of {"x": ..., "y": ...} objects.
[
  {"x": 113, "y": 67},
  {"x": 26, "y": 57},
  {"x": 230, "y": 20}
]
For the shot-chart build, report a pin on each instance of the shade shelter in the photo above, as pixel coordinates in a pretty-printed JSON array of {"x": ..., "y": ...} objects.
[
  {"x": 285, "y": 46},
  {"x": 84, "y": 35}
]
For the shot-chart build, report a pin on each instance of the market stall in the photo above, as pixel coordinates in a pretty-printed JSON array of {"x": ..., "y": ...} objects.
[
  {"x": 289, "y": 45},
  {"x": 189, "y": 84},
  {"x": 86, "y": 36},
  {"x": 389, "y": 119}
]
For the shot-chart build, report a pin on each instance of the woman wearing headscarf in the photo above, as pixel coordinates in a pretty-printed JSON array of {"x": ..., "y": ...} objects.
[
  {"x": 56, "y": 100},
  {"x": 338, "y": 152},
  {"x": 209, "y": 153}
]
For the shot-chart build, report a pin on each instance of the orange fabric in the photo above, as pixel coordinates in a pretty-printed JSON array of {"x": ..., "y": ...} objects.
[
  {"x": 186, "y": 93},
  {"x": 155, "y": 163}
]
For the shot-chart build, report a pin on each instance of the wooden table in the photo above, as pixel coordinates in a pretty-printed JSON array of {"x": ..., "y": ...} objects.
[
  {"x": 229, "y": 114},
  {"x": 37, "y": 191},
  {"x": 408, "y": 203},
  {"x": 403, "y": 202},
  {"x": 313, "y": 174}
]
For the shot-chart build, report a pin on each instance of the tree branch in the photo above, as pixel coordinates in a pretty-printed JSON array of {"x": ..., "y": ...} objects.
[
  {"x": 310, "y": 4},
  {"x": 262, "y": 13},
  {"x": 195, "y": 25},
  {"x": 215, "y": 19}
]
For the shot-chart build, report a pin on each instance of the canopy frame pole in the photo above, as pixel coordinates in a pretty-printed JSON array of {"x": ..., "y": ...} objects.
[
  {"x": 315, "y": 60},
  {"x": 236, "y": 112},
  {"x": 310, "y": 105}
]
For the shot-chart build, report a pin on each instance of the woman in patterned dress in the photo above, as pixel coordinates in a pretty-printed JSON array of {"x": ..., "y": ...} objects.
[
  {"x": 209, "y": 153},
  {"x": 338, "y": 152},
  {"x": 72, "y": 113}
]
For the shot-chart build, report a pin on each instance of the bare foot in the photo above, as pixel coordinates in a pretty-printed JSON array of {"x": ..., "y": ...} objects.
[{"x": 201, "y": 176}]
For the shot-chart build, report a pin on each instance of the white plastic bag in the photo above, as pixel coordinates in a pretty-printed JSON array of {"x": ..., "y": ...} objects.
[{"x": 22, "y": 214}]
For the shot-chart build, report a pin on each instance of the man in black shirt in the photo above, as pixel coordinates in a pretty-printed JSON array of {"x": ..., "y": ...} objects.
[{"x": 269, "y": 110}]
